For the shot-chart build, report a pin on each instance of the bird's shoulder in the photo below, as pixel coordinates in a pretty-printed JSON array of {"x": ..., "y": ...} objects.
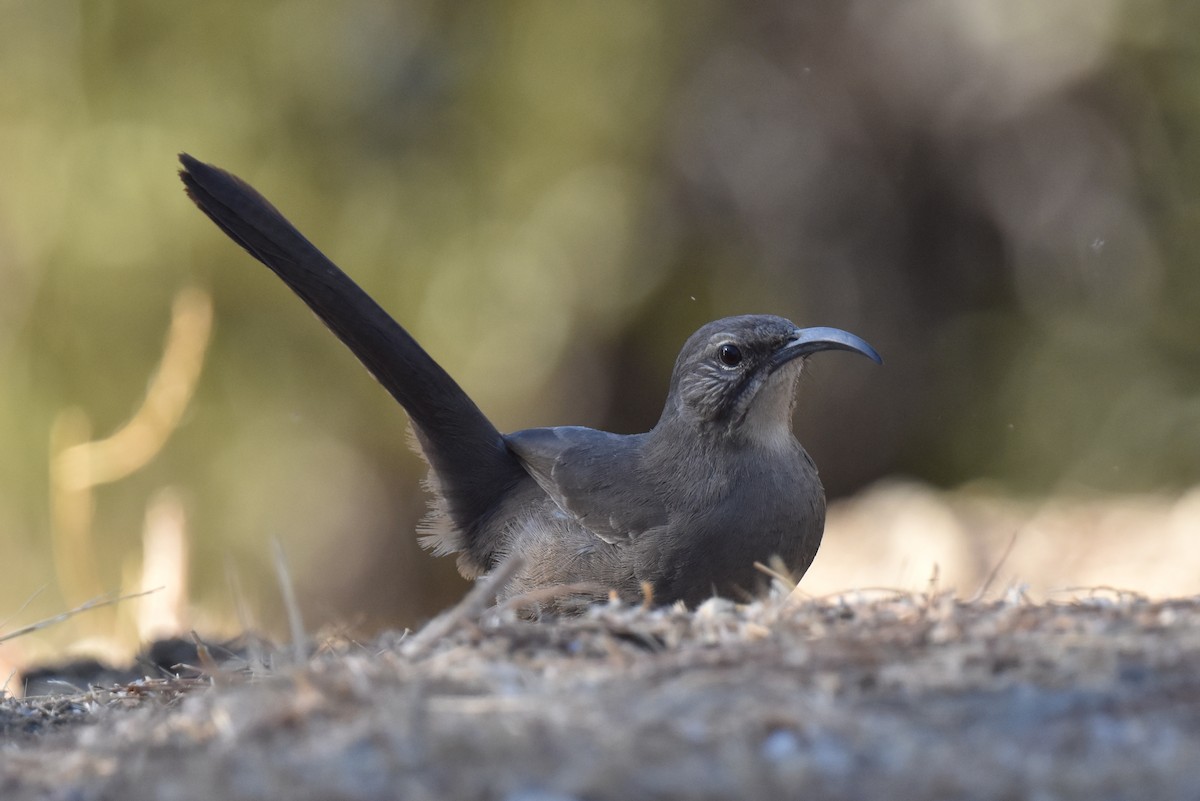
[
  {"x": 595, "y": 477},
  {"x": 552, "y": 443}
]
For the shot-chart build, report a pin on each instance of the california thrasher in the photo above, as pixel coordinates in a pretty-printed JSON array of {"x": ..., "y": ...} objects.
[{"x": 682, "y": 511}]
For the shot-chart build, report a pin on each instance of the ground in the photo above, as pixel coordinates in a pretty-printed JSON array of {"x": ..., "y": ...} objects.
[{"x": 865, "y": 695}]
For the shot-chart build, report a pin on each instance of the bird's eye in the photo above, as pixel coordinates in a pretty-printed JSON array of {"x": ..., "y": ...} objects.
[{"x": 730, "y": 355}]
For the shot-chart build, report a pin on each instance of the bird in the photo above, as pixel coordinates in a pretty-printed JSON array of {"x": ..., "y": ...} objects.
[{"x": 680, "y": 513}]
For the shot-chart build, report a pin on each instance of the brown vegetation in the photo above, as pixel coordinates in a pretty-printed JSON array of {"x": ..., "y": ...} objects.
[{"x": 854, "y": 696}]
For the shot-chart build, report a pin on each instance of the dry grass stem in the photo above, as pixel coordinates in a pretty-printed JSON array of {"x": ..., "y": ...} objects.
[{"x": 87, "y": 606}]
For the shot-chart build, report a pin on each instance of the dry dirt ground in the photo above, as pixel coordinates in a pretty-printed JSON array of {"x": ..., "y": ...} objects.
[{"x": 872, "y": 695}]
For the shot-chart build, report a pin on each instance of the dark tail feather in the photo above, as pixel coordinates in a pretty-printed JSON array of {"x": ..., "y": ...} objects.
[{"x": 474, "y": 467}]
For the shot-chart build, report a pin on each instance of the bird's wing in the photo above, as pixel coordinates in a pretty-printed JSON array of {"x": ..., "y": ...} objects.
[{"x": 592, "y": 476}]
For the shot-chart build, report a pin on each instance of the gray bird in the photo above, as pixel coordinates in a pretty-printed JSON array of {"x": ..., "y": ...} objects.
[{"x": 682, "y": 511}]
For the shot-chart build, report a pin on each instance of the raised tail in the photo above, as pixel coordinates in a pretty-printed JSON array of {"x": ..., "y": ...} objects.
[{"x": 474, "y": 468}]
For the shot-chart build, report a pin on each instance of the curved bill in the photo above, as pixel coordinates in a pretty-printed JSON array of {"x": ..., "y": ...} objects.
[{"x": 811, "y": 340}]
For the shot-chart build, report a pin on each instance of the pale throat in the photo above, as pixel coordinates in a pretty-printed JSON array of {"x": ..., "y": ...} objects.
[{"x": 768, "y": 422}]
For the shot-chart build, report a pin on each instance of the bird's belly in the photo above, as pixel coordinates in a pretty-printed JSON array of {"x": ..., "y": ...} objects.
[{"x": 557, "y": 552}]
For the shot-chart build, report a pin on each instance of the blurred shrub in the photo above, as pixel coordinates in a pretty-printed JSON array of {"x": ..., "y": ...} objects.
[{"x": 1000, "y": 195}]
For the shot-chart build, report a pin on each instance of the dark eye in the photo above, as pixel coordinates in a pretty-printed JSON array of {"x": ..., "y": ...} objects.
[{"x": 730, "y": 355}]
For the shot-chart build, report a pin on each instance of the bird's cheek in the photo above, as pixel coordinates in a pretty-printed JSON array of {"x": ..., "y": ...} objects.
[{"x": 704, "y": 400}]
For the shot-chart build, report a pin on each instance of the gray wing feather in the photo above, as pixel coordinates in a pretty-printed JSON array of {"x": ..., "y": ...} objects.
[{"x": 594, "y": 477}]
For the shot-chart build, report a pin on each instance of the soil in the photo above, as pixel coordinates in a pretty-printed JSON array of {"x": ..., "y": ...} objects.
[{"x": 866, "y": 695}]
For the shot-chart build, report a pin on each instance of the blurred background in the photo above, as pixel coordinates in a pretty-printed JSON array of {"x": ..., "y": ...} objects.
[{"x": 1000, "y": 195}]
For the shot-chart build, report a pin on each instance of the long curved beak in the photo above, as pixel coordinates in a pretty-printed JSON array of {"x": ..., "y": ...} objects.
[{"x": 810, "y": 340}]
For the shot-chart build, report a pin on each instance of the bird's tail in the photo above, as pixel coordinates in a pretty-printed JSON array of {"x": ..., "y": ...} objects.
[{"x": 474, "y": 468}]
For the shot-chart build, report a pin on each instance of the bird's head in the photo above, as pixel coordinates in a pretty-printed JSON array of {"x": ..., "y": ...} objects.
[{"x": 737, "y": 376}]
